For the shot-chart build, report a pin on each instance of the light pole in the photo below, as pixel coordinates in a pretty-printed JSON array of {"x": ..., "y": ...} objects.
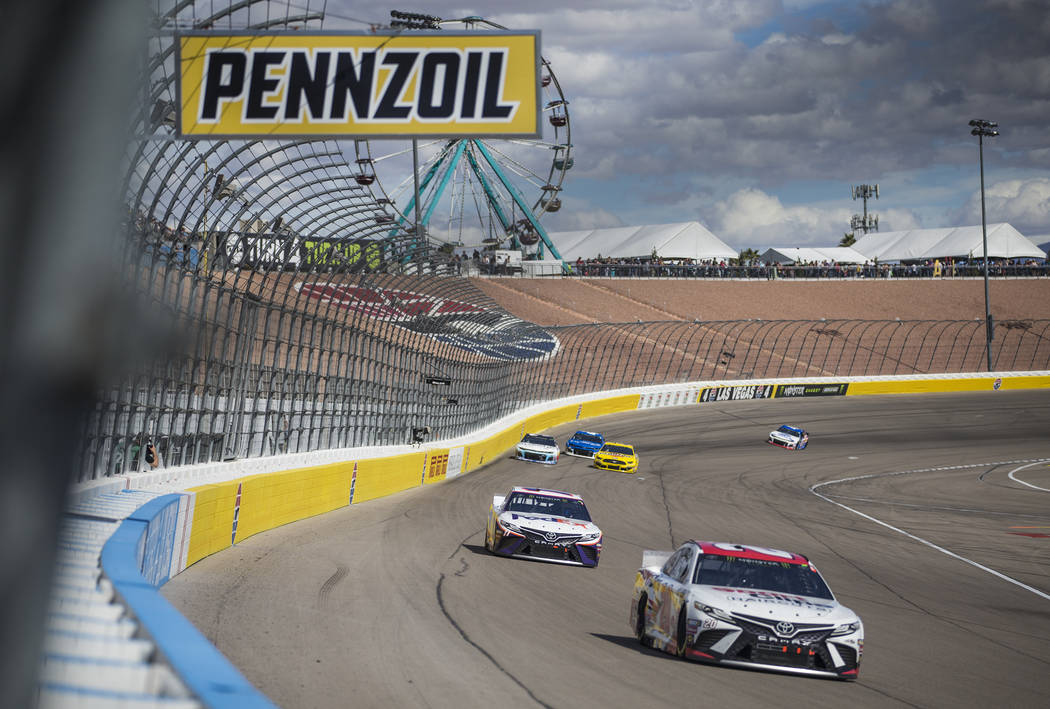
[{"x": 982, "y": 128}]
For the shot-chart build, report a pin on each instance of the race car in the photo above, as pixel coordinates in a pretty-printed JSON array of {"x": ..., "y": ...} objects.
[
  {"x": 538, "y": 448},
  {"x": 745, "y": 606},
  {"x": 789, "y": 437},
  {"x": 617, "y": 456},
  {"x": 547, "y": 525},
  {"x": 584, "y": 444}
]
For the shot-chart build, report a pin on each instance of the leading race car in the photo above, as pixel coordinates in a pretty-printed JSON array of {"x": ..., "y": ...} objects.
[
  {"x": 584, "y": 444},
  {"x": 617, "y": 456},
  {"x": 547, "y": 525},
  {"x": 746, "y": 606},
  {"x": 789, "y": 437},
  {"x": 538, "y": 448}
]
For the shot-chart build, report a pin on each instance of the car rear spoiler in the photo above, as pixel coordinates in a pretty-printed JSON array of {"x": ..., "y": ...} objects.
[{"x": 654, "y": 560}]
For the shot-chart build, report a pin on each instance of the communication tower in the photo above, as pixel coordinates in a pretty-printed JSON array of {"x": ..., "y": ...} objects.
[{"x": 866, "y": 222}]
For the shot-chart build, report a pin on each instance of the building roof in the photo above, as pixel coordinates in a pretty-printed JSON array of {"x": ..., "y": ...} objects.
[
  {"x": 955, "y": 242},
  {"x": 838, "y": 254}
]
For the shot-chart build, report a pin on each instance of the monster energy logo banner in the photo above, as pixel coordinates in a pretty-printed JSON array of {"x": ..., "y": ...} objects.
[{"x": 806, "y": 390}]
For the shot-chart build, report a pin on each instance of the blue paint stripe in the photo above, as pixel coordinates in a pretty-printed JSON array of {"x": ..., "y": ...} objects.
[{"x": 205, "y": 670}]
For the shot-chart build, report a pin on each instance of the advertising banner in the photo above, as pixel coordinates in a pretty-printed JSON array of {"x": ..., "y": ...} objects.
[
  {"x": 746, "y": 392},
  {"x": 375, "y": 85},
  {"x": 800, "y": 390}
]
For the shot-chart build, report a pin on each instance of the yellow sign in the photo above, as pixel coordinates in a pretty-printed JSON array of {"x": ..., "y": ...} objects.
[{"x": 425, "y": 84}]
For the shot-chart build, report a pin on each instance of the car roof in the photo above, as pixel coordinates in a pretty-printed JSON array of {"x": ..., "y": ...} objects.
[
  {"x": 793, "y": 428},
  {"x": 589, "y": 433},
  {"x": 748, "y": 552},
  {"x": 545, "y": 491}
]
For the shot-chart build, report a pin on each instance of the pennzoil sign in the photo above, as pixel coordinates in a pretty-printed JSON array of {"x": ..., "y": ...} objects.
[{"x": 427, "y": 84}]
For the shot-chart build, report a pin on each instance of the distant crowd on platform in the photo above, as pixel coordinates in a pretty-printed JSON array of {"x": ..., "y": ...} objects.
[{"x": 755, "y": 269}]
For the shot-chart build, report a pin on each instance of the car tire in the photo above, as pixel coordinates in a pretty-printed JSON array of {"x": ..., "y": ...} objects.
[
  {"x": 639, "y": 623},
  {"x": 680, "y": 632}
]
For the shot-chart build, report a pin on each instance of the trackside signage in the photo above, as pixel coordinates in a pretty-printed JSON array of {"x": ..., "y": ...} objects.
[{"x": 425, "y": 84}]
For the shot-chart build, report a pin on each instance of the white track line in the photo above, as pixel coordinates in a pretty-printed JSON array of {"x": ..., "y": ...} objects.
[
  {"x": 1019, "y": 480},
  {"x": 952, "y": 554}
]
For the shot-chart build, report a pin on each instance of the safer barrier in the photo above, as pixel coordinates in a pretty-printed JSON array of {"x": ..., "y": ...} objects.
[{"x": 224, "y": 503}]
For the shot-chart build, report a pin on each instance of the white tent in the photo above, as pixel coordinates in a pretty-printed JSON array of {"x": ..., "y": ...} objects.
[
  {"x": 838, "y": 254},
  {"x": 683, "y": 240},
  {"x": 956, "y": 242}
]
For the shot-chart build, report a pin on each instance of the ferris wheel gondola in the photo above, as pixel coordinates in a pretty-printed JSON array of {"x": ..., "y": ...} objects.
[{"x": 473, "y": 191}]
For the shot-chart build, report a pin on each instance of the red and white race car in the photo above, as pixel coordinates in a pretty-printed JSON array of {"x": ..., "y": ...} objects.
[{"x": 747, "y": 606}]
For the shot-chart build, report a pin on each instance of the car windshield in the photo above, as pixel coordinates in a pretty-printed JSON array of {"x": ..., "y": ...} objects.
[
  {"x": 622, "y": 450},
  {"x": 546, "y": 504},
  {"x": 589, "y": 437},
  {"x": 788, "y": 430},
  {"x": 737, "y": 572},
  {"x": 538, "y": 439}
]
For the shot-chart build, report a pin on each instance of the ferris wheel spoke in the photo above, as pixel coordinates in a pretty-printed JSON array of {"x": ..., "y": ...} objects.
[{"x": 471, "y": 189}]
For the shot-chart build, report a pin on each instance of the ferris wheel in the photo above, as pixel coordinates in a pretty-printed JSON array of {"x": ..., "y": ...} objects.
[{"x": 477, "y": 192}]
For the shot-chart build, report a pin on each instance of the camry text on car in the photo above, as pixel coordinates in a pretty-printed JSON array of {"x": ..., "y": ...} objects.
[
  {"x": 746, "y": 606},
  {"x": 547, "y": 525}
]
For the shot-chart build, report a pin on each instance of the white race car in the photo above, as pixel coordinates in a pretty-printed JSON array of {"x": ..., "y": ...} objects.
[
  {"x": 543, "y": 524},
  {"x": 538, "y": 448},
  {"x": 746, "y": 606},
  {"x": 789, "y": 437}
]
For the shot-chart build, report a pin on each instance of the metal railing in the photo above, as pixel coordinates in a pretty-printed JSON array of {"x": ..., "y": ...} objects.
[{"x": 275, "y": 361}]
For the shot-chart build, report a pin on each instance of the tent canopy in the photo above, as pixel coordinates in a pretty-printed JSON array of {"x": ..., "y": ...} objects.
[
  {"x": 838, "y": 254},
  {"x": 683, "y": 240},
  {"x": 952, "y": 242}
]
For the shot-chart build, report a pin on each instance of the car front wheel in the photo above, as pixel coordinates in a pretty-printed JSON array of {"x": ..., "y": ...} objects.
[
  {"x": 680, "y": 633},
  {"x": 639, "y": 624}
]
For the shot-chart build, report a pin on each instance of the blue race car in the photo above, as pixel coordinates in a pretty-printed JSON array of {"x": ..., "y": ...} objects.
[{"x": 584, "y": 444}]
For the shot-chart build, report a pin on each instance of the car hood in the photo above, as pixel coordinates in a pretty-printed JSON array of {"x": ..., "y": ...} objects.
[
  {"x": 538, "y": 447},
  {"x": 785, "y": 436},
  {"x": 548, "y": 523},
  {"x": 774, "y": 605}
]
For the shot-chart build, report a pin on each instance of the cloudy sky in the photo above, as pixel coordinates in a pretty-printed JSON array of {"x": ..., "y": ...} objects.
[{"x": 754, "y": 117}]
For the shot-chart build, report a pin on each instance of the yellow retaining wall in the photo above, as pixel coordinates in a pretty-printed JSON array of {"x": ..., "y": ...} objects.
[
  {"x": 272, "y": 499},
  {"x": 926, "y": 386}
]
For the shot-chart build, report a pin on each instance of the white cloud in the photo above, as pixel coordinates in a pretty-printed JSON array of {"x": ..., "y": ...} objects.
[
  {"x": 1025, "y": 204},
  {"x": 751, "y": 218}
]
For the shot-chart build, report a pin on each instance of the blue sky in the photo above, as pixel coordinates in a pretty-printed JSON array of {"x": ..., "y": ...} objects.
[{"x": 754, "y": 117}]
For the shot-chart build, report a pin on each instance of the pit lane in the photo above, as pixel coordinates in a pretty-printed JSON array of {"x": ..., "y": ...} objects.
[{"x": 394, "y": 602}]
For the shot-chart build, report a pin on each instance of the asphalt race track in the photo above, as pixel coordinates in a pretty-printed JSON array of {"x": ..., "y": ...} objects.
[{"x": 395, "y": 603}]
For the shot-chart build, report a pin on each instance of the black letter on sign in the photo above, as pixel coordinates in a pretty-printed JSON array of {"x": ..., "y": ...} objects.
[
  {"x": 301, "y": 83},
  {"x": 261, "y": 62},
  {"x": 431, "y": 62},
  {"x": 470, "y": 85},
  {"x": 357, "y": 82},
  {"x": 491, "y": 108},
  {"x": 214, "y": 88},
  {"x": 404, "y": 61}
]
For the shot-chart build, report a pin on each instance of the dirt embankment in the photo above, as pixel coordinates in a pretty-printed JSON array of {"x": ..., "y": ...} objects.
[{"x": 573, "y": 301}]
